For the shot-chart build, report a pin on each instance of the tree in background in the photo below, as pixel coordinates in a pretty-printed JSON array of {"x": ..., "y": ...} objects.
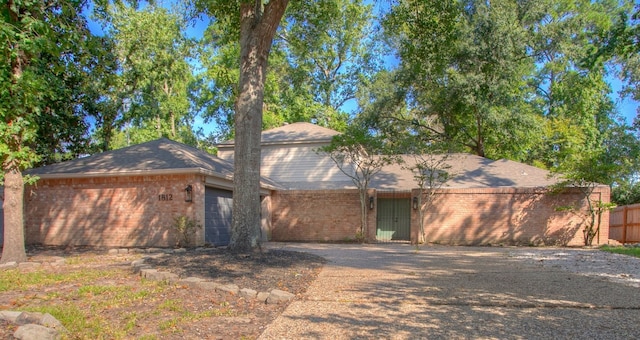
[
  {"x": 626, "y": 193},
  {"x": 570, "y": 84},
  {"x": 216, "y": 88},
  {"x": 624, "y": 44},
  {"x": 104, "y": 95},
  {"x": 611, "y": 161},
  {"x": 322, "y": 53},
  {"x": 150, "y": 88},
  {"x": 333, "y": 50},
  {"x": 522, "y": 80},
  {"x": 464, "y": 68},
  {"x": 585, "y": 139}
]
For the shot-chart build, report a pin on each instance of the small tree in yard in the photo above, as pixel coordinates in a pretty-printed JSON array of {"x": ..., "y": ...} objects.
[
  {"x": 185, "y": 228},
  {"x": 359, "y": 155},
  {"x": 585, "y": 174},
  {"x": 430, "y": 171},
  {"x": 592, "y": 216}
]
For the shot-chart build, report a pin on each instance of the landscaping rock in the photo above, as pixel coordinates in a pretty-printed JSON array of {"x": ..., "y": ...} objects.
[
  {"x": 262, "y": 297},
  {"x": 207, "y": 285},
  {"x": 147, "y": 273},
  {"x": 49, "y": 321},
  {"x": 155, "y": 275},
  {"x": 277, "y": 296},
  {"x": 58, "y": 263},
  {"x": 36, "y": 332},
  {"x": 138, "y": 269},
  {"x": 230, "y": 288},
  {"x": 28, "y": 317},
  {"x": 29, "y": 265},
  {"x": 137, "y": 250},
  {"x": 10, "y": 316},
  {"x": 248, "y": 293},
  {"x": 34, "y": 326},
  {"x": 8, "y": 265},
  {"x": 191, "y": 282}
]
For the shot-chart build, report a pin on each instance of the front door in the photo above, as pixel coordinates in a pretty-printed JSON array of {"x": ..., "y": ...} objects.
[{"x": 394, "y": 219}]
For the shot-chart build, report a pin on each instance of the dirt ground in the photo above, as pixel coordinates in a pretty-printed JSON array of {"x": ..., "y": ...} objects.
[{"x": 97, "y": 295}]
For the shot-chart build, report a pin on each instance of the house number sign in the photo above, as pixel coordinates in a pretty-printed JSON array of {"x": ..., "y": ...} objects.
[{"x": 165, "y": 197}]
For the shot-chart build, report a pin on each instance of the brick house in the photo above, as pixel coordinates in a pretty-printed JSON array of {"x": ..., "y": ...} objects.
[
  {"x": 130, "y": 197},
  {"x": 486, "y": 202}
]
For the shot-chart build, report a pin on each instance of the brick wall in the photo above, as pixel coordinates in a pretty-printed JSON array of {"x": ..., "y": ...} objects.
[
  {"x": 507, "y": 216},
  {"x": 316, "y": 215},
  {"x": 127, "y": 211}
]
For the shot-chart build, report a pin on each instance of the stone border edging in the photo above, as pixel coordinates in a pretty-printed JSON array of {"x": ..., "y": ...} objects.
[{"x": 275, "y": 296}]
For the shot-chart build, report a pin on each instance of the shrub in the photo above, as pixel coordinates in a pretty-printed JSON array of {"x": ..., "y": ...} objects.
[{"x": 186, "y": 228}]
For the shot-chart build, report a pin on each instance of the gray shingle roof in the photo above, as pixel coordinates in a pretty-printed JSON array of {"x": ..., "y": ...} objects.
[
  {"x": 160, "y": 155},
  {"x": 293, "y": 133},
  {"x": 467, "y": 171}
]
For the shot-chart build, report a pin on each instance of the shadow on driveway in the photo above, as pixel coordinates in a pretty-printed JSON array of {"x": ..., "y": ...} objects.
[{"x": 397, "y": 292}]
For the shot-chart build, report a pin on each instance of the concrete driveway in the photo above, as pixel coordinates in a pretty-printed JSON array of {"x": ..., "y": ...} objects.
[{"x": 395, "y": 292}]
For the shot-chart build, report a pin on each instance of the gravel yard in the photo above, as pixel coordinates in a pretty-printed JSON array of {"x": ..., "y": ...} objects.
[{"x": 589, "y": 262}]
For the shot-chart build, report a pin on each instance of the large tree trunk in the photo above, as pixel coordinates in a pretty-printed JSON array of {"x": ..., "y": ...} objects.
[
  {"x": 257, "y": 28},
  {"x": 13, "y": 249}
]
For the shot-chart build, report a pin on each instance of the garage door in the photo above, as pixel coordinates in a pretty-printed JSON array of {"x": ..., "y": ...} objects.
[{"x": 217, "y": 226}]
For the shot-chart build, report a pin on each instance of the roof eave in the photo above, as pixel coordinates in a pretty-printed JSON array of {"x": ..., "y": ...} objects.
[{"x": 210, "y": 173}]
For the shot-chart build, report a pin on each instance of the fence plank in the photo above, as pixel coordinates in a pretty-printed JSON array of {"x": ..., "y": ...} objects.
[{"x": 624, "y": 224}]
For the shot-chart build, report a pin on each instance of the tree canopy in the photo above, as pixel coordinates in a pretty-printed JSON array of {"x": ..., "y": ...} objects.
[{"x": 43, "y": 75}]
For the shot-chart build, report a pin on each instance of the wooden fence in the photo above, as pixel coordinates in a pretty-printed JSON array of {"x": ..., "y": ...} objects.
[{"x": 624, "y": 224}]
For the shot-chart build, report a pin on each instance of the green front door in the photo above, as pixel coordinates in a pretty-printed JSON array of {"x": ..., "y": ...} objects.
[{"x": 394, "y": 219}]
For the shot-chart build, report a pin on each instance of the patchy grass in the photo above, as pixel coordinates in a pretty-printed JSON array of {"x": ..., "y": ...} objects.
[
  {"x": 632, "y": 251},
  {"x": 103, "y": 303},
  {"x": 17, "y": 280},
  {"x": 98, "y": 296},
  {"x": 90, "y": 303}
]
